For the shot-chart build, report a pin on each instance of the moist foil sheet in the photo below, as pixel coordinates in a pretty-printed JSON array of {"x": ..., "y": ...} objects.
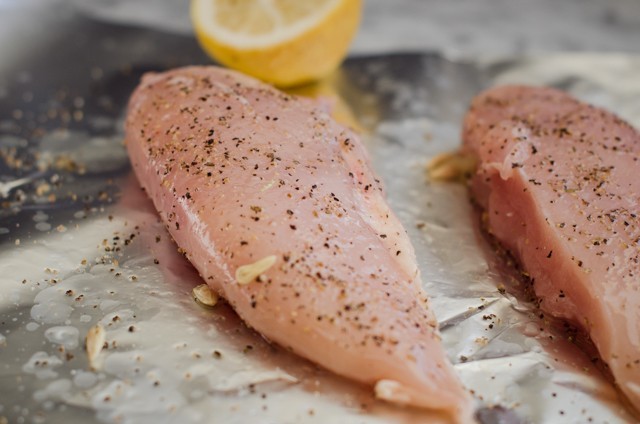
[{"x": 81, "y": 245}]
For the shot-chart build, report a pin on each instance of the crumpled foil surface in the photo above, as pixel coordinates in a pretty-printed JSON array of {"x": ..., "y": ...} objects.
[{"x": 80, "y": 245}]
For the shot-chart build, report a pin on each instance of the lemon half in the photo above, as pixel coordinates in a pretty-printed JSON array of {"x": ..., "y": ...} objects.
[{"x": 284, "y": 42}]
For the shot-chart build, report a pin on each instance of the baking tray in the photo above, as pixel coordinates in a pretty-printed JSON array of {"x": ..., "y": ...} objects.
[{"x": 80, "y": 244}]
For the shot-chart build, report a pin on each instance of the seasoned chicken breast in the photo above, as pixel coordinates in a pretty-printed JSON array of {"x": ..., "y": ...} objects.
[
  {"x": 276, "y": 206},
  {"x": 560, "y": 182}
]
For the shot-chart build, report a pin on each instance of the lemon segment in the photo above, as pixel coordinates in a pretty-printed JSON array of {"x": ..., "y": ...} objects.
[{"x": 284, "y": 42}]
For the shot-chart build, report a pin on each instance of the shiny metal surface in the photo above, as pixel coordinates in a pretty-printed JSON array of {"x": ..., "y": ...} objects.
[{"x": 80, "y": 245}]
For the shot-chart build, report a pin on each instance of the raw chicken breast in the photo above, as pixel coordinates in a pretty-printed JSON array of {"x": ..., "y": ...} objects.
[
  {"x": 560, "y": 182},
  {"x": 276, "y": 206}
]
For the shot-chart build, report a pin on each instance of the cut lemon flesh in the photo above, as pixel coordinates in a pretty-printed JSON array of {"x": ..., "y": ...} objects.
[{"x": 285, "y": 42}]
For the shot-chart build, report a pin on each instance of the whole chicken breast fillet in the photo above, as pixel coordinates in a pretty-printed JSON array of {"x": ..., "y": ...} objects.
[
  {"x": 560, "y": 182},
  {"x": 276, "y": 206}
]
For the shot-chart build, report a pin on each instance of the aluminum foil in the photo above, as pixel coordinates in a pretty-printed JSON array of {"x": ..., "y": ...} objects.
[{"x": 81, "y": 245}]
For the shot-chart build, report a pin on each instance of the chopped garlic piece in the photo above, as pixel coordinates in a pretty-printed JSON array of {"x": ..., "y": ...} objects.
[
  {"x": 247, "y": 273},
  {"x": 451, "y": 166},
  {"x": 391, "y": 390},
  {"x": 94, "y": 343},
  {"x": 203, "y": 295}
]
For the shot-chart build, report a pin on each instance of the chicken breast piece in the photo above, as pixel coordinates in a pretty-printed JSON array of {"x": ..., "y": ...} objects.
[
  {"x": 560, "y": 182},
  {"x": 276, "y": 206}
]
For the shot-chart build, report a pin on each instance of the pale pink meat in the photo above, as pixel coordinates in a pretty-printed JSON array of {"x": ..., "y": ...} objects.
[
  {"x": 560, "y": 182},
  {"x": 242, "y": 173}
]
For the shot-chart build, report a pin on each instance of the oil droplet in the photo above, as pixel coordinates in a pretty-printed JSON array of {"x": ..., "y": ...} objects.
[
  {"x": 64, "y": 335},
  {"x": 43, "y": 226},
  {"x": 40, "y": 216},
  {"x": 84, "y": 379},
  {"x": 32, "y": 326}
]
